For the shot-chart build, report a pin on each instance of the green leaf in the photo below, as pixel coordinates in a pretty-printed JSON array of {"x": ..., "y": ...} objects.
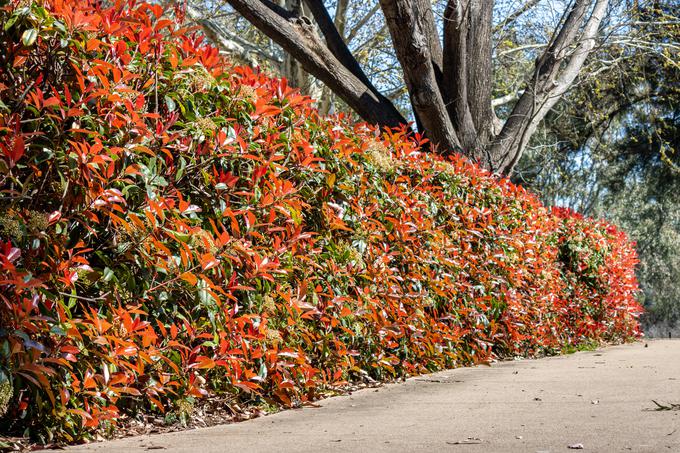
[
  {"x": 11, "y": 21},
  {"x": 40, "y": 12},
  {"x": 108, "y": 274},
  {"x": 170, "y": 103},
  {"x": 58, "y": 331},
  {"x": 29, "y": 36},
  {"x": 59, "y": 25}
]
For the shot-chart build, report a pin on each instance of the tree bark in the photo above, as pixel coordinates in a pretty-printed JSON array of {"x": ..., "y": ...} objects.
[
  {"x": 292, "y": 68},
  {"x": 336, "y": 43},
  {"x": 410, "y": 24},
  {"x": 480, "y": 71},
  {"x": 455, "y": 72}
]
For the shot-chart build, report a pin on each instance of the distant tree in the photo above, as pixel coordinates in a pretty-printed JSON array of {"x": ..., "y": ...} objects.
[{"x": 612, "y": 149}]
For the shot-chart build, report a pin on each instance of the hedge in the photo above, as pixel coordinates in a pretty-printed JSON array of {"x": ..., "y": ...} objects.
[{"x": 173, "y": 227}]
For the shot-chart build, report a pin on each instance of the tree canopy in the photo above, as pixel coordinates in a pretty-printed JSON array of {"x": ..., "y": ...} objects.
[{"x": 622, "y": 161}]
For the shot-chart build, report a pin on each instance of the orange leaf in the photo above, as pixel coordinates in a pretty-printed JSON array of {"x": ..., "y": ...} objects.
[
  {"x": 208, "y": 261},
  {"x": 189, "y": 278}
]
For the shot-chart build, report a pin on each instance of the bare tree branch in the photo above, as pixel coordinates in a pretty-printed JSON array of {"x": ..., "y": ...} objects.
[
  {"x": 227, "y": 41},
  {"x": 506, "y": 99},
  {"x": 554, "y": 74},
  {"x": 526, "y": 6},
  {"x": 361, "y": 23},
  {"x": 340, "y": 19},
  {"x": 506, "y": 52},
  {"x": 297, "y": 36},
  {"x": 335, "y": 42}
]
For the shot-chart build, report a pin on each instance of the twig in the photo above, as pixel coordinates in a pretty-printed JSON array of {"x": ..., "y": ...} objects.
[
  {"x": 669, "y": 407},
  {"x": 86, "y": 299}
]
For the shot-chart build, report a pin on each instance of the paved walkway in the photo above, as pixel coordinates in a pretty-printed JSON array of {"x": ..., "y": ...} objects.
[{"x": 599, "y": 400}]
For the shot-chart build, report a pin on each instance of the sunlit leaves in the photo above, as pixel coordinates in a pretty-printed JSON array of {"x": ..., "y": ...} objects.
[{"x": 29, "y": 36}]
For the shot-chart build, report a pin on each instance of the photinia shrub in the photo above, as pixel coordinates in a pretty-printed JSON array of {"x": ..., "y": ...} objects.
[{"x": 172, "y": 227}]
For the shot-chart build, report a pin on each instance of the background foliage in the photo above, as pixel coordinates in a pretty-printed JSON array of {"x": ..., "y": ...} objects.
[
  {"x": 622, "y": 161},
  {"x": 174, "y": 228}
]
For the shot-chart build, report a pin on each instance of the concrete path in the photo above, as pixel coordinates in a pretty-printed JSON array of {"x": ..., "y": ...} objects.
[{"x": 601, "y": 400}]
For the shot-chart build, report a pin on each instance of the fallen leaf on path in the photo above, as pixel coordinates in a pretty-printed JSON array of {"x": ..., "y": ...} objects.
[
  {"x": 666, "y": 407},
  {"x": 468, "y": 441},
  {"x": 311, "y": 404}
]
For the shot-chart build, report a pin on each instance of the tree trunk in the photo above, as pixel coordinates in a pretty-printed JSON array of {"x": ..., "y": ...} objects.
[
  {"x": 455, "y": 72},
  {"x": 291, "y": 68},
  {"x": 411, "y": 23}
]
